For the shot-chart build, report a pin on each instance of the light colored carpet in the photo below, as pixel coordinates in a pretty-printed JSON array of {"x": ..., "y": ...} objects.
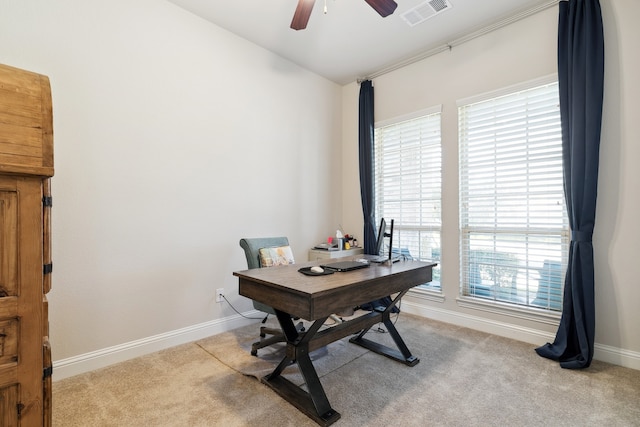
[
  {"x": 464, "y": 378},
  {"x": 233, "y": 349}
]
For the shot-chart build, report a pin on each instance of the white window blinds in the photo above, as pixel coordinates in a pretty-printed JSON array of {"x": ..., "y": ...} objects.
[
  {"x": 513, "y": 225},
  {"x": 408, "y": 177}
]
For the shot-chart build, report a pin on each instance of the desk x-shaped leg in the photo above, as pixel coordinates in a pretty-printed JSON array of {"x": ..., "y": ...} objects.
[
  {"x": 404, "y": 355},
  {"x": 313, "y": 403}
]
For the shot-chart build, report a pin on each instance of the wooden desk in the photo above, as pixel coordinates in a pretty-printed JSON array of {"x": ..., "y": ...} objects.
[{"x": 314, "y": 298}]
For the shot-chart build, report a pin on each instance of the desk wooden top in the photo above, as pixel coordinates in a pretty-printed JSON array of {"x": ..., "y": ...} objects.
[{"x": 314, "y": 297}]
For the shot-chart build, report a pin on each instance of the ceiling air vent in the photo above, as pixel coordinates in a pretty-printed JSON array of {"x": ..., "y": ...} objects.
[{"x": 425, "y": 10}]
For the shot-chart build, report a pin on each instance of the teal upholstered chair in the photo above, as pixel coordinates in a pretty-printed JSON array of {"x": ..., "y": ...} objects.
[{"x": 252, "y": 253}]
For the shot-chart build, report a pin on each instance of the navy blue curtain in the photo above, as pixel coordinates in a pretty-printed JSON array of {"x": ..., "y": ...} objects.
[
  {"x": 365, "y": 144},
  {"x": 581, "y": 81},
  {"x": 366, "y": 127}
]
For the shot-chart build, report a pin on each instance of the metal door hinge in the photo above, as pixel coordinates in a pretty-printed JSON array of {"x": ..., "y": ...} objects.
[
  {"x": 47, "y": 372},
  {"x": 48, "y": 268},
  {"x": 47, "y": 201}
]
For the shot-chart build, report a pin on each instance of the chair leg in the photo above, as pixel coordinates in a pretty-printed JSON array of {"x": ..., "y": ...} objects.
[
  {"x": 266, "y": 342},
  {"x": 265, "y": 330},
  {"x": 276, "y": 336}
]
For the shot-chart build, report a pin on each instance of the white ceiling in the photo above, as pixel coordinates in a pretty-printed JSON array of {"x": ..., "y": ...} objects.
[{"x": 351, "y": 40}]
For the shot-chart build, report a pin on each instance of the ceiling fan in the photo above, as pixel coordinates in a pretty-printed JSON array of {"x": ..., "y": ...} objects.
[{"x": 304, "y": 8}]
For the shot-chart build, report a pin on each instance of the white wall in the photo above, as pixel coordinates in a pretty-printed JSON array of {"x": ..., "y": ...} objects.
[
  {"x": 517, "y": 53},
  {"x": 173, "y": 139}
]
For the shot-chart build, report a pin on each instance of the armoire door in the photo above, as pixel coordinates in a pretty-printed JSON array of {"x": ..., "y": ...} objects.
[{"x": 21, "y": 308}]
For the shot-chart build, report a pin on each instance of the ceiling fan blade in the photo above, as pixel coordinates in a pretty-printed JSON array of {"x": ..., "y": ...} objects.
[
  {"x": 302, "y": 14},
  {"x": 383, "y": 7}
]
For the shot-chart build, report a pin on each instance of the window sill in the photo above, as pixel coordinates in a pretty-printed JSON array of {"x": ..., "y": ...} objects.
[
  {"x": 426, "y": 294},
  {"x": 527, "y": 313}
]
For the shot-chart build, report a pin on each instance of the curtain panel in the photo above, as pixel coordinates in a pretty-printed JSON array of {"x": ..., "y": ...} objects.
[
  {"x": 581, "y": 86},
  {"x": 366, "y": 159}
]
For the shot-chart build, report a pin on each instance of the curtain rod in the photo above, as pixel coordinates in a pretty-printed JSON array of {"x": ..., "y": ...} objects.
[{"x": 460, "y": 40}]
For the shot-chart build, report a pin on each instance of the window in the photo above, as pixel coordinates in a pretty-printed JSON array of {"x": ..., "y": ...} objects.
[
  {"x": 513, "y": 224},
  {"x": 408, "y": 179}
]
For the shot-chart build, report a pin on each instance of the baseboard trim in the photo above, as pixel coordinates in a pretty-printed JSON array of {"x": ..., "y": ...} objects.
[
  {"x": 614, "y": 355},
  {"x": 507, "y": 330},
  {"x": 617, "y": 356},
  {"x": 91, "y": 361}
]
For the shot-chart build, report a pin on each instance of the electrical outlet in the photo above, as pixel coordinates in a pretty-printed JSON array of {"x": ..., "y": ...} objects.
[{"x": 220, "y": 295}]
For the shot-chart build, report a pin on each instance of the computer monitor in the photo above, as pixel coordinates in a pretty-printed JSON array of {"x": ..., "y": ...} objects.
[
  {"x": 381, "y": 235},
  {"x": 391, "y": 241}
]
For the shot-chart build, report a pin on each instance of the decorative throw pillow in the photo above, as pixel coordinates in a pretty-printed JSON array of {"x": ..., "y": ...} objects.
[{"x": 281, "y": 255}]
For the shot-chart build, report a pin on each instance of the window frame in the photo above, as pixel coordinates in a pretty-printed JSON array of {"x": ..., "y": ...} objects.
[
  {"x": 493, "y": 304},
  {"x": 401, "y": 229}
]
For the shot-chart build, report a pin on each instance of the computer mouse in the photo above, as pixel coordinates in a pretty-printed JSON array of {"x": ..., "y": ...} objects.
[{"x": 317, "y": 269}]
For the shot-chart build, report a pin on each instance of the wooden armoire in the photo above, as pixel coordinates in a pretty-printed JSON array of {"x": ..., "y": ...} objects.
[{"x": 26, "y": 165}]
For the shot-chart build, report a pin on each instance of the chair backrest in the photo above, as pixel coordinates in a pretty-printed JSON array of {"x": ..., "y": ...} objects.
[
  {"x": 252, "y": 253},
  {"x": 252, "y": 248}
]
